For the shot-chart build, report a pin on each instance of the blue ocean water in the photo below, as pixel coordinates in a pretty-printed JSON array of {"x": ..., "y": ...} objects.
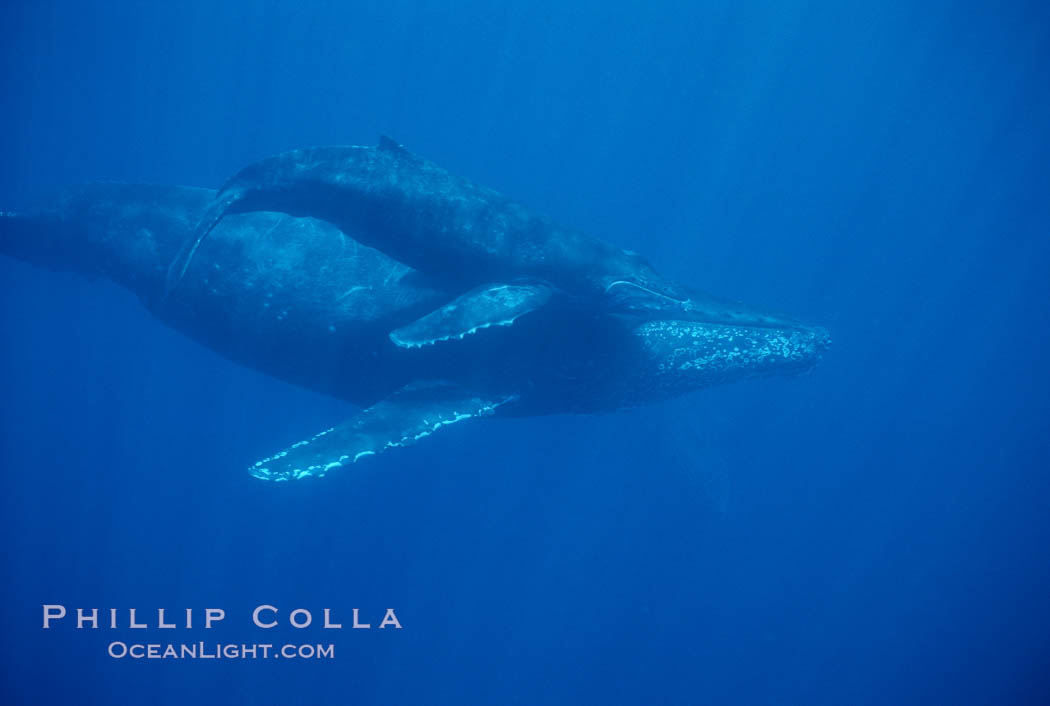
[{"x": 875, "y": 531}]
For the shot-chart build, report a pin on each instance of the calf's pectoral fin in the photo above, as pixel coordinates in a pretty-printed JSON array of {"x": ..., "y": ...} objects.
[
  {"x": 215, "y": 212},
  {"x": 481, "y": 308},
  {"x": 410, "y": 414}
]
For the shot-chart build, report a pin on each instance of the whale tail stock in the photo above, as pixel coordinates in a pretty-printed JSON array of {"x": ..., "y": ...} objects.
[
  {"x": 8, "y": 224},
  {"x": 29, "y": 237}
]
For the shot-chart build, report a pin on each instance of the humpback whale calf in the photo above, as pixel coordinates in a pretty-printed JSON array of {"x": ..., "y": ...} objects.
[
  {"x": 444, "y": 225},
  {"x": 309, "y": 303}
]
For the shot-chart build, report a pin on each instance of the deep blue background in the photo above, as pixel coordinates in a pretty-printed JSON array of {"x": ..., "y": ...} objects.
[{"x": 874, "y": 532}]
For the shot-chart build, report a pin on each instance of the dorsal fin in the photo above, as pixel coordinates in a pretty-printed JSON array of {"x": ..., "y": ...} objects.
[{"x": 391, "y": 145}]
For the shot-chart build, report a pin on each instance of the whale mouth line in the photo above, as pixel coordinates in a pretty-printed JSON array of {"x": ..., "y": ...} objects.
[{"x": 624, "y": 282}]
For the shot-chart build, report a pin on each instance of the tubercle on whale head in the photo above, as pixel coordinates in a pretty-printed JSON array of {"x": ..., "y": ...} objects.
[{"x": 684, "y": 355}]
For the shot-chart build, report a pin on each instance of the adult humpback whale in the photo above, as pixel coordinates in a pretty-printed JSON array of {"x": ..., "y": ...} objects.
[
  {"x": 458, "y": 231},
  {"x": 298, "y": 299}
]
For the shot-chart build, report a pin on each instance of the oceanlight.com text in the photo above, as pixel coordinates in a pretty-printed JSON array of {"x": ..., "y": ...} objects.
[{"x": 218, "y": 650}]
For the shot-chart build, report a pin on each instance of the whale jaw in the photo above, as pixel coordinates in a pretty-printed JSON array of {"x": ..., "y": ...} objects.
[{"x": 686, "y": 355}]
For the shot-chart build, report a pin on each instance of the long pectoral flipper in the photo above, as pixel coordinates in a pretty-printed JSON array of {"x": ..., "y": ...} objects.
[{"x": 412, "y": 413}]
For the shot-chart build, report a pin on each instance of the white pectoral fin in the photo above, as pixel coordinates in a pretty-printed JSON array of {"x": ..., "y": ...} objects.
[
  {"x": 481, "y": 308},
  {"x": 410, "y": 414}
]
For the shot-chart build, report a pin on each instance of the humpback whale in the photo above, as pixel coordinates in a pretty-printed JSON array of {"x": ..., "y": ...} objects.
[
  {"x": 450, "y": 228},
  {"x": 307, "y": 302}
]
